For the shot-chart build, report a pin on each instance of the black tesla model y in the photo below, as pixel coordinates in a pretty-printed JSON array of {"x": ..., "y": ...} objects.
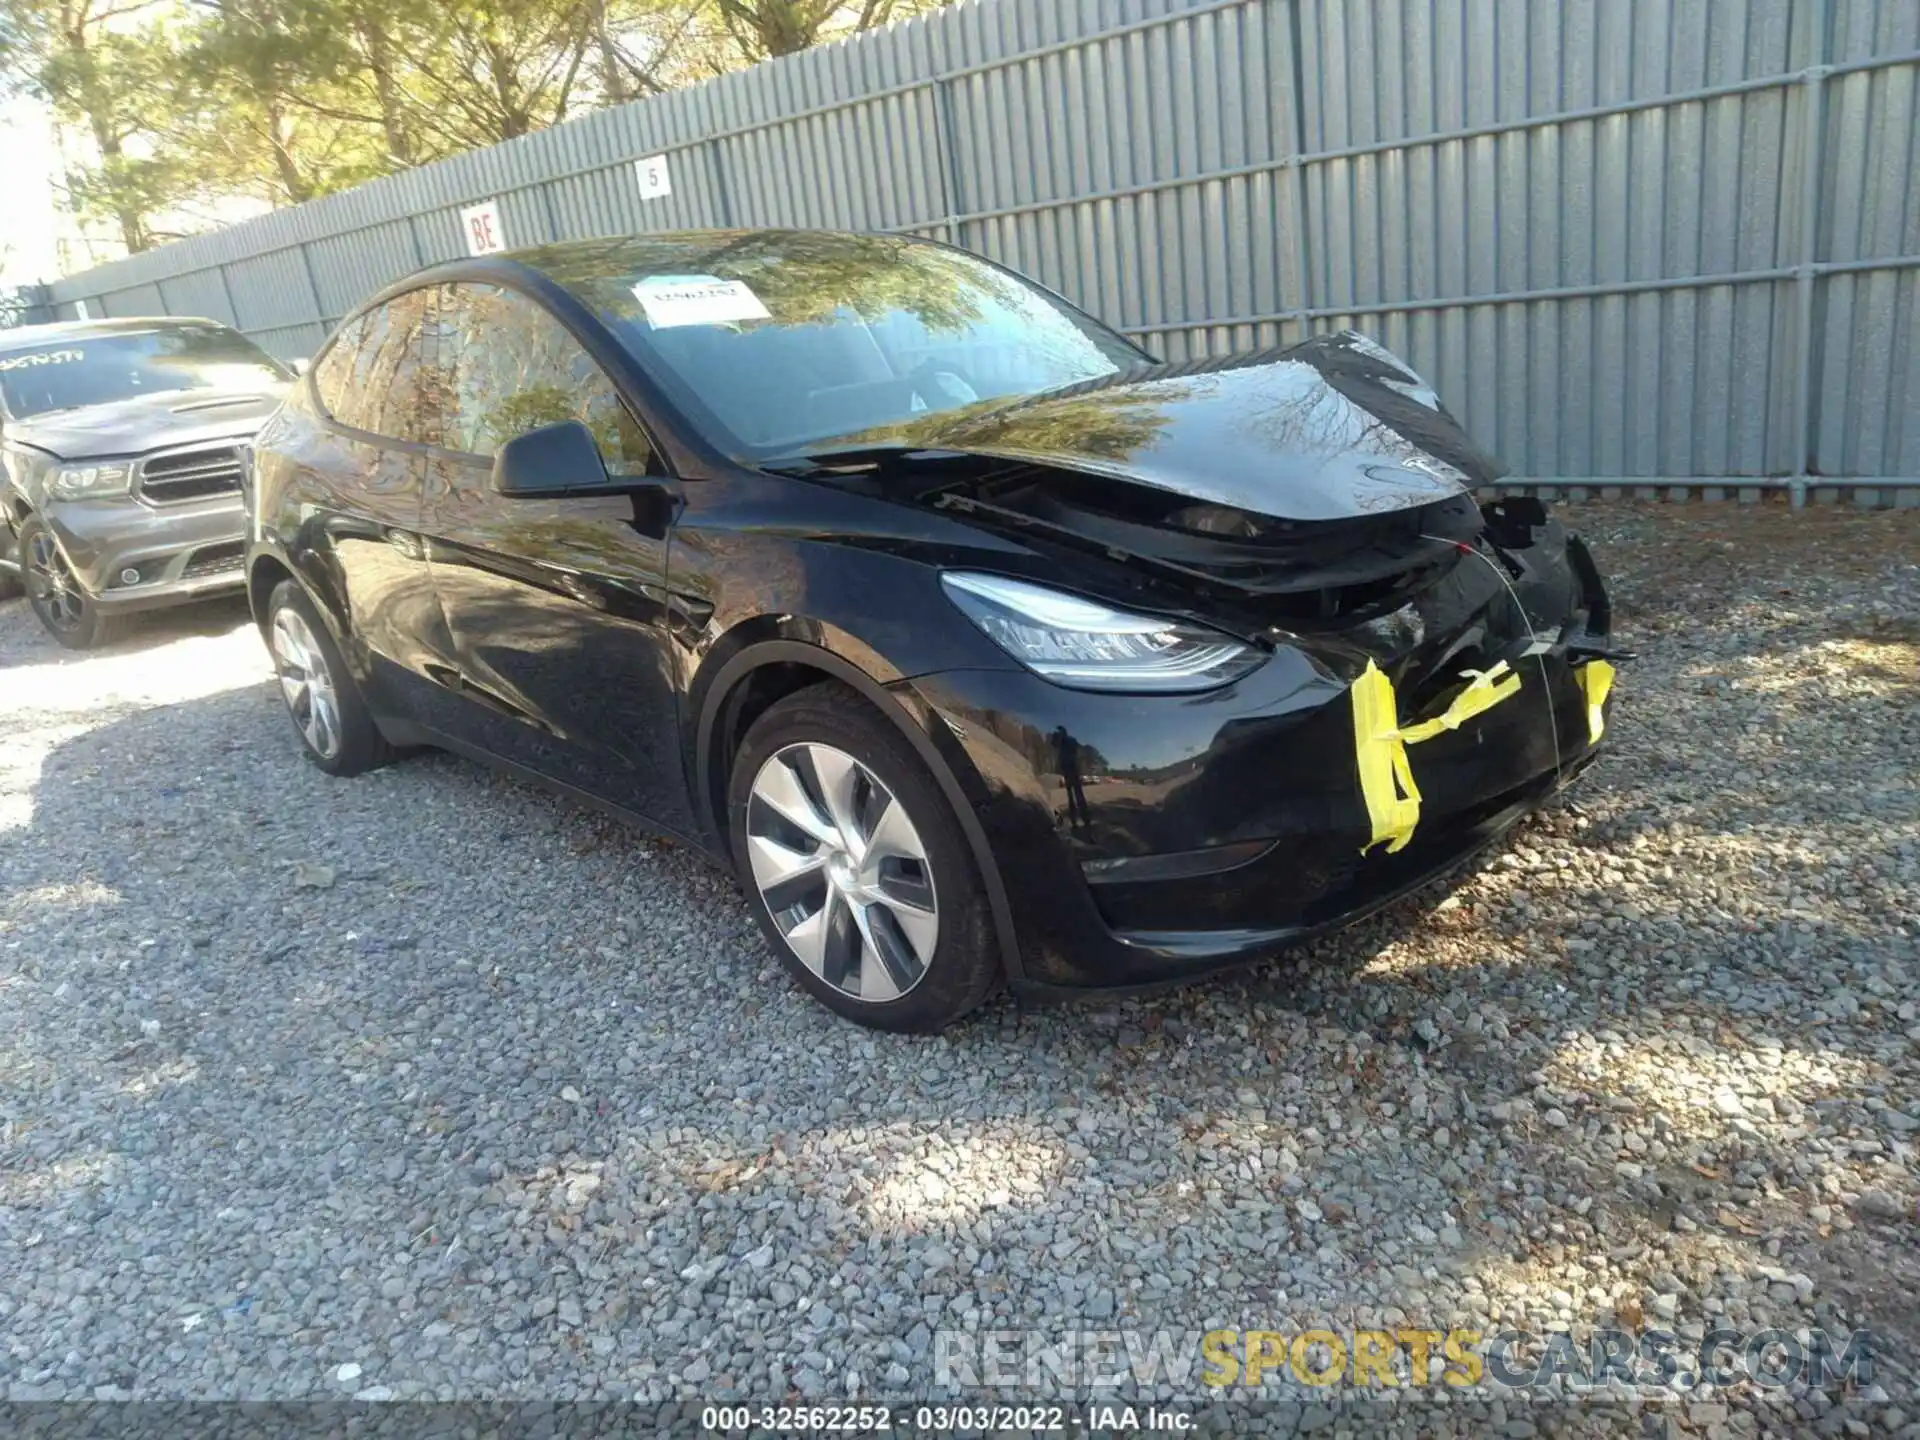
[{"x": 985, "y": 648}]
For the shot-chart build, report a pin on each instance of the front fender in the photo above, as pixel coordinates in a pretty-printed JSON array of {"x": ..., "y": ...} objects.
[
  {"x": 310, "y": 571},
  {"x": 789, "y": 640}
]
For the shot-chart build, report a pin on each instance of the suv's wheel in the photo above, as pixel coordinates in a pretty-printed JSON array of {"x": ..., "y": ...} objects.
[
  {"x": 333, "y": 723},
  {"x": 59, "y": 601},
  {"x": 856, "y": 867}
]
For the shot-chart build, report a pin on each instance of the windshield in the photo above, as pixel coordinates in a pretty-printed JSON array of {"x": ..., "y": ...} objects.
[
  {"x": 122, "y": 365},
  {"x": 781, "y": 344}
]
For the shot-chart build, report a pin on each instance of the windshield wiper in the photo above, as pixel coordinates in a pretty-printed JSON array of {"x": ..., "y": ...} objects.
[
  {"x": 859, "y": 459},
  {"x": 220, "y": 402}
]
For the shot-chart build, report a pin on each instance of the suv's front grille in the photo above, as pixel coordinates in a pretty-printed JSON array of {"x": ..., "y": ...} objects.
[{"x": 191, "y": 475}]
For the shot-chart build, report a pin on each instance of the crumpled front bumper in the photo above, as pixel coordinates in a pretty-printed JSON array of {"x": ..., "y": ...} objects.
[
  {"x": 1142, "y": 839},
  {"x": 132, "y": 556},
  {"x": 1474, "y": 784}
]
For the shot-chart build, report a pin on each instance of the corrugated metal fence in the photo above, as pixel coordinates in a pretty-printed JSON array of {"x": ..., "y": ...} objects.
[{"x": 1639, "y": 242}]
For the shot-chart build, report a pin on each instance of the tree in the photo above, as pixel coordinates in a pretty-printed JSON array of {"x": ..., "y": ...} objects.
[
  {"x": 336, "y": 62},
  {"x": 258, "y": 105},
  {"x": 94, "y": 61},
  {"x": 372, "y": 31},
  {"x": 763, "y": 29},
  {"x": 181, "y": 105},
  {"x": 648, "y": 47},
  {"x": 499, "y": 69}
]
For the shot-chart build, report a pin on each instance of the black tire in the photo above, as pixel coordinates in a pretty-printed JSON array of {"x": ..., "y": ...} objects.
[
  {"x": 11, "y": 585},
  {"x": 360, "y": 746},
  {"x": 62, "y": 606},
  {"x": 964, "y": 968}
]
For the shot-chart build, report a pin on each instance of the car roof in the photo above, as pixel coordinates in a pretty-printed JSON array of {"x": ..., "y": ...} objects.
[
  {"x": 685, "y": 251},
  {"x": 565, "y": 266},
  {"x": 28, "y": 335}
]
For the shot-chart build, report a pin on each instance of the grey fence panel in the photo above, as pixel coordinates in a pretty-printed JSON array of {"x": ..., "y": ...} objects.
[
  {"x": 275, "y": 289},
  {"x": 346, "y": 267},
  {"x": 134, "y": 300},
  {"x": 1670, "y": 241},
  {"x": 293, "y": 340},
  {"x": 202, "y": 292},
  {"x": 1463, "y": 179},
  {"x": 1867, "y": 401}
]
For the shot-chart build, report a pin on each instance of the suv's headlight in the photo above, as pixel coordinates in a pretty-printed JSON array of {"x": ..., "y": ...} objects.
[
  {"x": 88, "y": 482},
  {"x": 1090, "y": 646}
]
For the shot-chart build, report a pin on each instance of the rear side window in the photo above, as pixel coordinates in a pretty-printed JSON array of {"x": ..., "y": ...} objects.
[
  {"x": 513, "y": 368},
  {"x": 333, "y": 372},
  {"x": 386, "y": 381}
]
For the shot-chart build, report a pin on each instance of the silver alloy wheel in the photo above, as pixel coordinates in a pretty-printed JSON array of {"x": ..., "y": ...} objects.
[
  {"x": 306, "y": 682},
  {"x": 843, "y": 872}
]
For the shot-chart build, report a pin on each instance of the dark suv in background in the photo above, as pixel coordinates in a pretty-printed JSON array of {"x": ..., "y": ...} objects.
[{"x": 121, "y": 442}]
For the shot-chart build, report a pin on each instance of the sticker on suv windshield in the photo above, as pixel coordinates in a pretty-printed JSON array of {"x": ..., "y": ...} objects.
[
  {"x": 671, "y": 300},
  {"x": 40, "y": 357}
]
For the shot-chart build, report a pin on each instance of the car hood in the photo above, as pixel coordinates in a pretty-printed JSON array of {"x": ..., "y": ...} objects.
[
  {"x": 150, "y": 422},
  {"x": 1331, "y": 429}
]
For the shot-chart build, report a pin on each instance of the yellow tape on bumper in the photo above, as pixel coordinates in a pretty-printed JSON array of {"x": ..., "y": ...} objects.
[
  {"x": 1380, "y": 745},
  {"x": 1596, "y": 682}
]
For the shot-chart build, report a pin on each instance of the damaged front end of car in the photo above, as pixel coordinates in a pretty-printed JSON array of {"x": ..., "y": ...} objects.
[{"x": 1436, "y": 664}]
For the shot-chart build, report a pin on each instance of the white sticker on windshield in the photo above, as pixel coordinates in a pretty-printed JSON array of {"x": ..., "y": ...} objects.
[
  {"x": 671, "y": 300},
  {"x": 40, "y": 357}
]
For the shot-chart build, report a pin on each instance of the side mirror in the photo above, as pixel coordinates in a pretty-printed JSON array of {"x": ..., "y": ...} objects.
[
  {"x": 300, "y": 367},
  {"x": 554, "y": 460}
]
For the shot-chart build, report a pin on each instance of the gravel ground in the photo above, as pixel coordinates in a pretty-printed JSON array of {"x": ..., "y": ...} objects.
[{"x": 429, "y": 1085}]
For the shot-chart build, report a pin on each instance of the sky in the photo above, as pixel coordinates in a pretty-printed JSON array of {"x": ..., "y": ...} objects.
[{"x": 28, "y": 225}]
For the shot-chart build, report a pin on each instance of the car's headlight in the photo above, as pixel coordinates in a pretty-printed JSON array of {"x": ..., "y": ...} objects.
[
  {"x": 87, "y": 482},
  {"x": 1090, "y": 646}
]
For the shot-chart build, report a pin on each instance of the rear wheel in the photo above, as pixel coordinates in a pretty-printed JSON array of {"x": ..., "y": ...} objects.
[
  {"x": 332, "y": 720},
  {"x": 856, "y": 866},
  {"x": 60, "y": 602}
]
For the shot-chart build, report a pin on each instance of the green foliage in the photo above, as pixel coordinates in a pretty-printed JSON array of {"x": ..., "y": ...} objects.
[
  {"x": 526, "y": 410},
  {"x": 180, "y": 105},
  {"x": 763, "y": 29}
]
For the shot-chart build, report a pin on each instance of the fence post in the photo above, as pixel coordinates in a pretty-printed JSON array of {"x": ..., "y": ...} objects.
[
  {"x": 226, "y": 289},
  {"x": 319, "y": 309},
  {"x": 722, "y": 184},
  {"x": 1303, "y": 240},
  {"x": 949, "y": 171},
  {"x": 1806, "y": 276}
]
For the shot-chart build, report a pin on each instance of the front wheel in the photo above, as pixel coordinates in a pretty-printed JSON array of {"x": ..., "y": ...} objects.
[
  {"x": 856, "y": 867},
  {"x": 10, "y": 583},
  {"x": 60, "y": 602},
  {"x": 332, "y": 720}
]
